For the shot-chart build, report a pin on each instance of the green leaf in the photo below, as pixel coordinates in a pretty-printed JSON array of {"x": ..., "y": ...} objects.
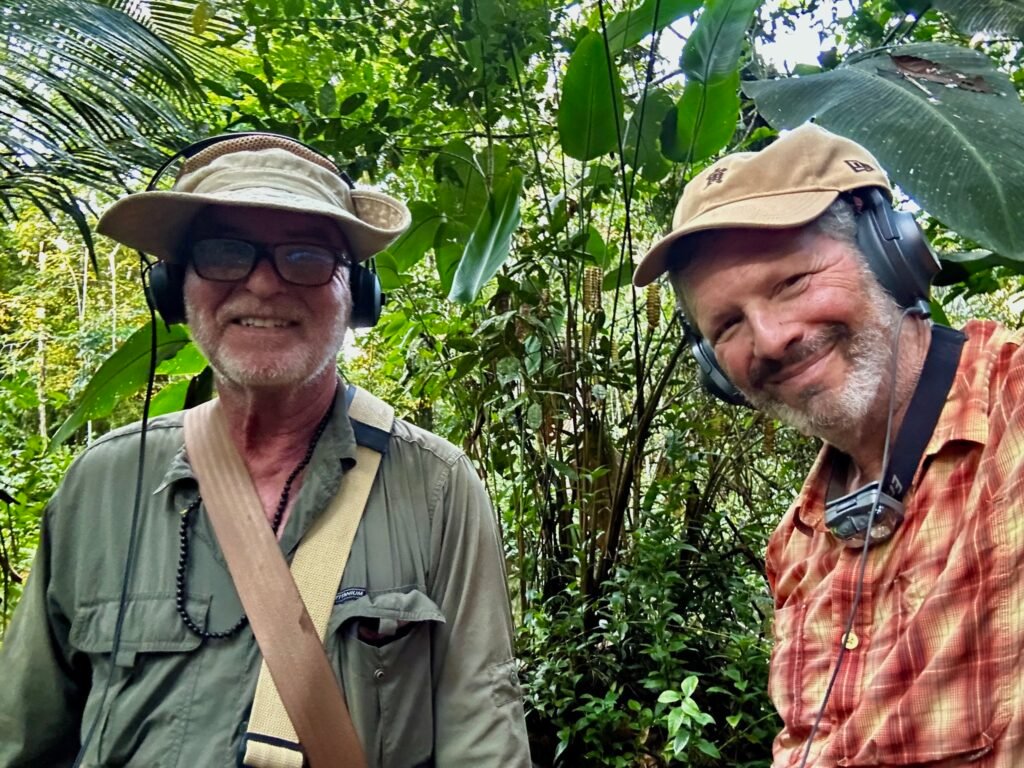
[
  {"x": 381, "y": 110},
  {"x": 169, "y": 399},
  {"x": 712, "y": 52},
  {"x": 352, "y": 102},
  {"x": 703, "y": 121},
  {"x": 689, "y": 685},
  {"x": 187, "y": 362},
  {"x": 969, "y": 173},
  {"x": 680, "y": 742},
  {"x": 708, "y": 748},
  {"x": 590, "y": 109},
  {"x": 295, "y": 91},
  {"x": 122, "y": 374},
  {"x": 617, "y": 278},
  {"x": 418, "y": 238},
  {"x": 669, "y": 697},
  {"x": 508, "y": 370},
  {"x": 689, "y": 706},
  {"x": 327, "y": 99},
  {"x": 642, "y": 133},
  {"x": 595, "y": 247},
  {"x": 387, "y": 271},
  {"x": 488, "y": 245},
  {"x": 628, "y": 28},
  {"x": 985, "y": 17},
  {"x": 447, "y": 259},
  {"x": 461, "y": 185},
  {"x": 675, "y": 722},
  {"x": 733, "y": 720},
  {"x": 563, "y": 469},
  {"x": 534, "y": 416}
]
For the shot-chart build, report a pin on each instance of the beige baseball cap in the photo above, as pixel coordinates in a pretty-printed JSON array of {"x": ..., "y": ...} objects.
[
  {"x": 787, "y": 184},
  {"x": 257, "y": 171}
]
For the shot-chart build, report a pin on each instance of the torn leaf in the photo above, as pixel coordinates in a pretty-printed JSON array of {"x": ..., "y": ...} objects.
[{"x": 922, "y": 69}]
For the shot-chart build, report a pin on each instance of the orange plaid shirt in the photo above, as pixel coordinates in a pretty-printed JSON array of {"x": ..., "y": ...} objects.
[{"x": 934, "y": 674}]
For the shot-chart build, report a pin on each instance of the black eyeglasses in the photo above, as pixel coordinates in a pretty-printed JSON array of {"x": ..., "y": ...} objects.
[{"x": 228, "y": 260}]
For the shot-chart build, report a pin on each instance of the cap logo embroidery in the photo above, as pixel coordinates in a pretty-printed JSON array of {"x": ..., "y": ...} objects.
[
  {"x": 859, "y": 167},
  {"x": 717, "y": 176}
]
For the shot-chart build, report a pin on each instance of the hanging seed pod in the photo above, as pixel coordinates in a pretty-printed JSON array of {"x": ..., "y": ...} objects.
[
  {"x": 544, "y": 305},
  {"x": 592, "y": 289},
  {"x": 521, "y": 326},
  {"x": 653, "y": 305},
  {"x": 769, "y": 437}
]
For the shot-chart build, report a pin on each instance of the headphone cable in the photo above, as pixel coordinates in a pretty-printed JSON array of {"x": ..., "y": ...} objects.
[
  {"x": 914, "y": 309},
  {"x": 131, "y": 555}
]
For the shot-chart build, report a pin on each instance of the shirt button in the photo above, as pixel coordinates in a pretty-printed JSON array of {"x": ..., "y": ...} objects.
[
  {"x": 852, "y": 641},
  {"x": 378, "y": 674}
]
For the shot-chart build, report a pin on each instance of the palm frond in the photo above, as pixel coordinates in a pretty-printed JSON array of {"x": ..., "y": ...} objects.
[{"x": 88, "y": 86}]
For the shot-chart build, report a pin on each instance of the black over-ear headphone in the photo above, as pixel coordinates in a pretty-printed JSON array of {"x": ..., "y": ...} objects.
[
  {"x": 165, "y": 281},
  {"x": 897, "y": 254}
]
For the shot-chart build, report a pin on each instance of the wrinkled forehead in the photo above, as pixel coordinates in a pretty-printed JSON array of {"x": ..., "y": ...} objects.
[{"x": 713, "y": 264}]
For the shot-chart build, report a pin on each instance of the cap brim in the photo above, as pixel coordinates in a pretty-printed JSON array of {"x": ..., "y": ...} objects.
[
  {"x": 155, "y": 222},
  {"x": 783, "y": 211}
]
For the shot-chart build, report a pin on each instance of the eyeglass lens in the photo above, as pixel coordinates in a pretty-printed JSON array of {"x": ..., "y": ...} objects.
[{"x": 230, "y": 260}]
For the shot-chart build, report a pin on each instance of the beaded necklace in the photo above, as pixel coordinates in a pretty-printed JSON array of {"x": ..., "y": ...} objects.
[{"x": 181, "y": 581}]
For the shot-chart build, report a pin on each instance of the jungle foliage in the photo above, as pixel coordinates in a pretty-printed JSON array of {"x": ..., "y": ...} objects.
[{"x": 542, "y": 148}]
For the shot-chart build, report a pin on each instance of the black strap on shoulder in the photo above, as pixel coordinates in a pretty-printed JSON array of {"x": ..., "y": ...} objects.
[
  {"x": 367, "y": 435},
  {"x": 922, "y": 415}
]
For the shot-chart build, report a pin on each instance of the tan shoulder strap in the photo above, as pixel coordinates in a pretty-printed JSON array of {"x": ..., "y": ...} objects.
[{"x": 288, "y": 619}]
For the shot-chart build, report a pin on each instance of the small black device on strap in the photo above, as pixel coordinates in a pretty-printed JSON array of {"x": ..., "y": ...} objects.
[{"x": 848, "y": 517}]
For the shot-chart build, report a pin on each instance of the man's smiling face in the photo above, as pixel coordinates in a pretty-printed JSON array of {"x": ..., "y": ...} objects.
[
  {"x": 796, "y": 321},
  {"x": 262, "y": 332}
]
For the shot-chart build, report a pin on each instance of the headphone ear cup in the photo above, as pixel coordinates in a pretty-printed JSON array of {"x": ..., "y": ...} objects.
[
  {"x": 166, "y": 291},
  {"x": 896, "y": 249},
  {"x": 367, "y": 298},
  {"x": 711, "y": 374}
]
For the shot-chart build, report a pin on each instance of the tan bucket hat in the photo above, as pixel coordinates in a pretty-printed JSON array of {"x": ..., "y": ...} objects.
[
  {"x": 255, "y": 171},
  {"x": 787, "y": 184}
]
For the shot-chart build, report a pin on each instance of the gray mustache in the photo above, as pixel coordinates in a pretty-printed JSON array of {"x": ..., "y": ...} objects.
[{"x": 796, "y": 353}]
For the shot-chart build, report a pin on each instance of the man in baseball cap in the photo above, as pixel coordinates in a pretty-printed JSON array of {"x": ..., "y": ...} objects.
[
  {"x": 896, "y": 572},
  {"x": 260, "y": 247}
]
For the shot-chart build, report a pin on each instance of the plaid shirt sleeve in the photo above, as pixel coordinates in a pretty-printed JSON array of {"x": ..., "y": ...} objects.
[{"x": 932, "y": 673}]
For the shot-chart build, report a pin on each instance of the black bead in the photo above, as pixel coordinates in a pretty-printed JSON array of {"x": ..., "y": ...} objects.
[{"x": 186, "y": 521}]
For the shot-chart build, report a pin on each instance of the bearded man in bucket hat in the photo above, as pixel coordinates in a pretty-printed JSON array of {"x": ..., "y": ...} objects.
[
  {"x": 897, "y": 572},
  {"x": 260, "y": 242}
]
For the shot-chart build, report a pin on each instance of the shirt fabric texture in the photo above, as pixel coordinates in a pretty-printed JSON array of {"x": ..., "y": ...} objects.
[
  {"x": 436, "y": 685},
  {"x": 933, "y": 673}
]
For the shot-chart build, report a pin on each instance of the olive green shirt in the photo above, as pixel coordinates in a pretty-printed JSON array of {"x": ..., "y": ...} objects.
[{"x": 434, "y": 684}]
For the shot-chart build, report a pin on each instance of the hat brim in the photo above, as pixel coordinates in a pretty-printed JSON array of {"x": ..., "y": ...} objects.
[
  {"x": 155, "y": 222},
  {"x": 783, "y": 211}
]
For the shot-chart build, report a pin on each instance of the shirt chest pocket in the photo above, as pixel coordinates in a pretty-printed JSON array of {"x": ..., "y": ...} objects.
[
  {"x": 384, "y": 645},
  {"x": 146, "y": 690}
]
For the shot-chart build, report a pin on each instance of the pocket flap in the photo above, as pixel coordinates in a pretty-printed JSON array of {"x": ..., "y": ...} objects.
[
  {"x": 404, "y": 607},
  {"x": 151, "y": 625}
]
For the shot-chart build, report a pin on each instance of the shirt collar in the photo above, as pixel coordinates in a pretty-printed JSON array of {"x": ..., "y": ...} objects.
[{"x": 338, "y": 443}]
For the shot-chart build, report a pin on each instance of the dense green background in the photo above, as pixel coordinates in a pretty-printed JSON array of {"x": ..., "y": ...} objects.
[{"x": 543, "y": 148}]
